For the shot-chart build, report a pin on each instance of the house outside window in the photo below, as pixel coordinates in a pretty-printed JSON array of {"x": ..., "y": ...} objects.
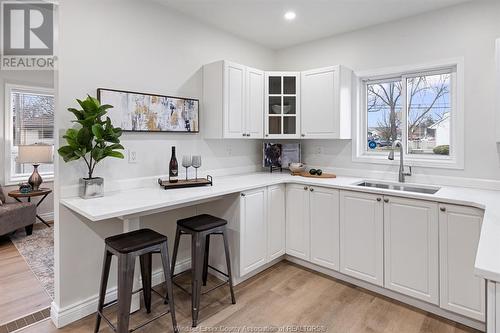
[
  {"x": 421, "y": 107},
  {"x": 29, "y": 119}
]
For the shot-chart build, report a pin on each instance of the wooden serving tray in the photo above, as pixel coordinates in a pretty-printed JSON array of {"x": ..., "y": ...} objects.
[
  {"x": 308, "y": 175},
  {"x": 186, "y": 183}
]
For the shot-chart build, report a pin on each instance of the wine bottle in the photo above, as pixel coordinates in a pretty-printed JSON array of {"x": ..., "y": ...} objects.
[{"x": 173, "y": 168}]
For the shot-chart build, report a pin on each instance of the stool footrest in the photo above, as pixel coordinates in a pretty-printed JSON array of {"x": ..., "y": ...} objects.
[{"x": 203, "y": 293}]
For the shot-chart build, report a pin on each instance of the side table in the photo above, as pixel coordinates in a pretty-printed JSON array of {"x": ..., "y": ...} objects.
[{"x": 43, "y": 193}]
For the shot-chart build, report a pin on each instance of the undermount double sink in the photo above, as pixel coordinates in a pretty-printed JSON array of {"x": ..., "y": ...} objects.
[{"x": 399, "y": 187}]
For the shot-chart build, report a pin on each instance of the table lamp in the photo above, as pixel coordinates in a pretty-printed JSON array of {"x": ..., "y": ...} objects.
[{"x": 35, "y": 154}]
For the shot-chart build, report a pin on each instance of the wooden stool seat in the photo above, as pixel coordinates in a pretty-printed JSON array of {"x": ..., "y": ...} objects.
[
  {"x": 201, "y": 222},
  {"x": 135, "y": 240}
]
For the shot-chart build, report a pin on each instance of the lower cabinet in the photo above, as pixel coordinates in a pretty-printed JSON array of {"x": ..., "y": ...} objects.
[
  {"x": 276, "y": 221},
  {"x": 262, "y": 227},
  {"x": 253, "y": 230},
  {"x": 297, "y": 221},
  {"x": 324, "y": 222},
  {"x": 460, "y": 290},
  {"x": 411, "y": 262},
  {"x": 361, "y": 236}
]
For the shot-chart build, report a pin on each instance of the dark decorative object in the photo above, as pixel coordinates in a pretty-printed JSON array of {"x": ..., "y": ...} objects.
[
  {"x": 141, "y": 112},
  {"x": 272, "y": 156},
  {"x": 25, "y": 188}
]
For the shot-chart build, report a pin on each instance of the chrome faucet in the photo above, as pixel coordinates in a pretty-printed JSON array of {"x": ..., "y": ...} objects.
[{"x": 402, "y": 172}]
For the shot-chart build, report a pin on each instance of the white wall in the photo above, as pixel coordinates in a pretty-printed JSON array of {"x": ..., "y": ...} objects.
[
  {"x": 467, "y": 30},
  {"x": 28, "y": 78},
  {"x": 139, "y": 46}
]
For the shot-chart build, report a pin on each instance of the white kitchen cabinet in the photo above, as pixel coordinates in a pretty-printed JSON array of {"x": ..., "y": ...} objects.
[
  {"x": 254, "y": 122},
  {"x": 276, "y": 221},
  {"x": 297, "y": 221},
  {"x": 324, "y": 221},
  {"x": 460, "y": 290},
  {"x": 326, "y": 102},
  {"x": 361, "y": 236},
  {"x": 253, "y": 230},
  {"x": 411, "y": 248},
  {"x": 233, "y": 101},
  {"x": 282, "y": 105}
]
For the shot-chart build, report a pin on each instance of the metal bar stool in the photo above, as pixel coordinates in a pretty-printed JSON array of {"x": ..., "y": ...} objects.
[
  {"x": 127, "y": 247},
  {"x": 201, "y": 227}
]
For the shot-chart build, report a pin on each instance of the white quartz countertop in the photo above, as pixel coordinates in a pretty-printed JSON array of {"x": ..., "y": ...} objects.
[{"x": 141, "y": 201}]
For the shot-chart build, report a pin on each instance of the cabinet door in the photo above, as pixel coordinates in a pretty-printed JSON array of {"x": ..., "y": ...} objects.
[
  {"x": 361, "y": 236},
  {"x": 411, "y": 248},
  {"x": 324, "y": 217},
  {"x": 282, "y": 106},
  {"x": 276, "y": 221},
  {"x": 461, "y": 290},
  {"x": 297, "y": 221},
  {"x": 319, "y": 97},
  {"x": 253, "y": 230},
  {"x": 254, "y": 121},
  {"x": 234, "y": 100}
]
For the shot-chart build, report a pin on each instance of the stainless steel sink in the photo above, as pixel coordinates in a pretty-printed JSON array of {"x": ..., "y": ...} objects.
[{"x": 400, "y": 187}]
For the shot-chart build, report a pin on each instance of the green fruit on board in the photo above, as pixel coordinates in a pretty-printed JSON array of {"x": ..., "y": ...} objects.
[
  {"x": 312, "y": 171},
  {"x": 319, "y": 172}
]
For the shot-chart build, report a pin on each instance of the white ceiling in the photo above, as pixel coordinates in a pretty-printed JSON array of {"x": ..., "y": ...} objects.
[{"x": 262, "y": 20}]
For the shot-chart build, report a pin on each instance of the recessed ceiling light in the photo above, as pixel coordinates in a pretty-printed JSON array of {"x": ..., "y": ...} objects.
[{"x": 290, "y": 16}]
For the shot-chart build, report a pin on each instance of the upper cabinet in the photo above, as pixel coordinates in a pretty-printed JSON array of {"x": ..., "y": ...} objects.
[
  {"x": 240, "y": 102},
  {"x": 326, "y": 102},
  {"x": 233, "y": 101},
  {"x": 282, "y": 105}
]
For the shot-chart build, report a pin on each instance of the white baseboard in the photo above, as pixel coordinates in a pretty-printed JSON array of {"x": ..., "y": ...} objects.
[{"x": 62, "y": 317}]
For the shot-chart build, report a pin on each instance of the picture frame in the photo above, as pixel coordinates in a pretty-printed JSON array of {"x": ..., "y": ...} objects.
[{"x": 145, "y": 112}]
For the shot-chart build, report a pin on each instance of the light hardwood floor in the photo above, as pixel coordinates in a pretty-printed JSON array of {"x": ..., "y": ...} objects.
[
  {"x": 20, "y": 291},
  {"x": 287, "y": 294}
]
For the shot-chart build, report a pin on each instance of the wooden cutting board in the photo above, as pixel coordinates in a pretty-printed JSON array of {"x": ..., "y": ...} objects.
[{"x": 307, "y": 174}]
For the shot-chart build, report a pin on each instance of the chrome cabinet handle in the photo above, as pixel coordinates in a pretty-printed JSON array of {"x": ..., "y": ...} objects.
[
  {"x": 267, "y": 135},
  {"x": 243, "y": 134},
  {"x": 302, "y": 134},
  {"x": 386, "y": 200},
  {"x": 248, "y": 134},
  {"x": 443, "y": 209},
  {"x": 311, "y": 189},
  {"x": 305, "y": 188},
  {"x": 243, "y": 194},
  {"x": 379, "y": 199}
]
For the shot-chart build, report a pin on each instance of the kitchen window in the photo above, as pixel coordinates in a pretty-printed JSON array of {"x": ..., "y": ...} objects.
[
  {"x": 421, "y": 107},
  {"x": 29, "y": 119}
]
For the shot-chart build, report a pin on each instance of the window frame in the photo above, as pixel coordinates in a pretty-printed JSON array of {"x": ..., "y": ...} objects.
[
  {"x": 456, "y": 158},
  {"x": 10, "y": 177}
]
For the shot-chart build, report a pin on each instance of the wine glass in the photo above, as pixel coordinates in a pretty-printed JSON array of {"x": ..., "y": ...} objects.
[
  {"x": 186, "y": 162},
  {"x": 196, "y": 163}
]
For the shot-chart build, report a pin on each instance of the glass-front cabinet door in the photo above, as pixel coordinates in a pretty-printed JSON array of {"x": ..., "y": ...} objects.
[{"x": 282, "y": 105}]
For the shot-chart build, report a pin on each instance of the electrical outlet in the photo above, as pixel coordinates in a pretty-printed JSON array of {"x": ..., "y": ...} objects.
[
  {"x": 132, "y": 156},
  {"x": 319, "y": 150}
]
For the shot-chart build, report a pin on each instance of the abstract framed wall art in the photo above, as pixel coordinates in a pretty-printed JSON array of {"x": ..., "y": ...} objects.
[{"x": 141, "y": 112}]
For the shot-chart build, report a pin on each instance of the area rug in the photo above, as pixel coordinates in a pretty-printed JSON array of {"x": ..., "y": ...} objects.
[{"x": 38, "y": 252}]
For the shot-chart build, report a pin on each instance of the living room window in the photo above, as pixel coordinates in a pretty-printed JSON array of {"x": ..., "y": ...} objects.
[
  {"x": 29, "y": 120},
  {"x": 421, "y": 107}
]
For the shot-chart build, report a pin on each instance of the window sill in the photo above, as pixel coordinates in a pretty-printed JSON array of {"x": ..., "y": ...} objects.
[{"x": 431, "y": 162}]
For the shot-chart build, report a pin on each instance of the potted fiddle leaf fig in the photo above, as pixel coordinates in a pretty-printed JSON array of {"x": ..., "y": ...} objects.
[{"x": 92, "y": 139}]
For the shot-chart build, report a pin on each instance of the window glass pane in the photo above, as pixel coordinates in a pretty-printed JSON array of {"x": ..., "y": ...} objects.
[
  {"x": 32, "y": 122},
  {"x": 275, "y": 85},
  {"x": 289, "y": 105},
  {"x": 289, "y": 125},
  {"x": 274, "y": 125},
  {"x": 289, "y": 85},
  {"x": 384, "y": 108},
  {"x": 429, "y": 107}
]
